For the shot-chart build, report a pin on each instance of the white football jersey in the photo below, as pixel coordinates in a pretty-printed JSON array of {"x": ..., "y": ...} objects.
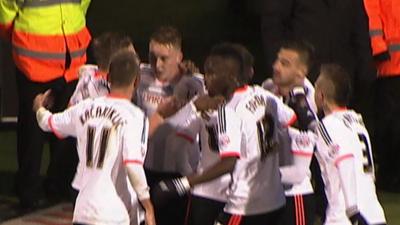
[
  {"x": 92, "y": 122},
  {"x": 162, "y": 155},
  {"x": 302, "y": 145},
  {"x": 256, "y": 184},
  {"x": 342, "y": 135},
  {"x": 91, "y": 84}
]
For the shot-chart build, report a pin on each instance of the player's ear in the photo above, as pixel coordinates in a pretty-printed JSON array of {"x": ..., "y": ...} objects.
[{"x": 179, "y": 56}]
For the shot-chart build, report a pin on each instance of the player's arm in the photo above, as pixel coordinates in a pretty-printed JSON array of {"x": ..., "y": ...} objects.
[
  {"x": 344, "y": 161},
  {"x": 138, "y": 181},
  {"x": 302, "y": 149},
  {"x": 229, "y": 143},
  {"x": 134, "y": 140},
  {"x": 60, "y": 123}
]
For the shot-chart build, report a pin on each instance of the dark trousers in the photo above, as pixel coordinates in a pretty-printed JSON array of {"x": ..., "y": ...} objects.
[
  {"x": 30, "y": 141},
  {"x": 299, "y": 210},
  {"x": 387, "y": 133},
  {"x": 204, "y": 211},
  {"x": 174, "y": 213}
]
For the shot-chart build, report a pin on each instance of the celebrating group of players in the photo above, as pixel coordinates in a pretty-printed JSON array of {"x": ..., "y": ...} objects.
[{"x": 212, "y": 149}]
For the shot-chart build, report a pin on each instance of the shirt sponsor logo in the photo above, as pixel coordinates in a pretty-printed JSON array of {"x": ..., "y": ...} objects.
[{"x": 224, "y": 140}]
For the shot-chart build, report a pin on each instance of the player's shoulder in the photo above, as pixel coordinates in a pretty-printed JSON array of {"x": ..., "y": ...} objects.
[
  {"x": 146, "y": 72},
  {"x": 269, "y": 85}
]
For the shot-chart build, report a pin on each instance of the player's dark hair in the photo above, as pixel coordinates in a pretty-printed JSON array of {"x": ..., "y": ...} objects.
[
  {"x": 225, "y": 59},
  {"x": 106, "y": 45},
  {"x": 341, "y": 83},
  {"x": 304, "y": 49},
  {"x": 248, "y": 61},
  {"x": 124, "y": 68},
  {"x": 167, "y": 35}
]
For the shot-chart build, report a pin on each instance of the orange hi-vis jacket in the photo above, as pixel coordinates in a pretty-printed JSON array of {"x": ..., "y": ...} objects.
[
  {"x": 384, "y": 28},
  {"x": 43, "y": 34}
]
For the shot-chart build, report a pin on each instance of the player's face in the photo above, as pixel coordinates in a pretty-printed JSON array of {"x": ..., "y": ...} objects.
[
  {"x": 286, "y": 68},
  {"x": 215, "y": 84},
  {"x": 165, "y": 60}
]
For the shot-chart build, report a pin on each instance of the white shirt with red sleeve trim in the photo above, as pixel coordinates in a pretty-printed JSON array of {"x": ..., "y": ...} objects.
[
  {"x": 91, "y": 121},
  {"x": 302, "y": 148},
  {"x": 256, "y": 184},
  {"x": 220, "y": 137},
  {"x": 341, "y": 136}
]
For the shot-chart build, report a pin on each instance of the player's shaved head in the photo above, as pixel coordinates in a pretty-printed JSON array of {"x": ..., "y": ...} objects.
[
  {"x": 124, "y": 68},
  {"x": 334, "y": 82}
]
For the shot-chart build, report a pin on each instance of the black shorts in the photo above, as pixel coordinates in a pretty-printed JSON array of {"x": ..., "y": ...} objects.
[
  {"x": 204, "y": 211},
  {"x": 299, "y": 210},
  {"x": 270, "y": 218}
]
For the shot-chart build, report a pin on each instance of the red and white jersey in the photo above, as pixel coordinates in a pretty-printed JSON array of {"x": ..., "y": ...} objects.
[
  {"x": 342, "y": 135},
  {"x": 256, "y": 184},
  {"x": 92, "y": 122},
  {"x": 303, "y": 149},
  {"x": 150, "y": 93},
  {"x": 92, "y": 84}
]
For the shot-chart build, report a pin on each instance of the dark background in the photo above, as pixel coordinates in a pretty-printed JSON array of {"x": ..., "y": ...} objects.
[{"x": 202, "y": 23}]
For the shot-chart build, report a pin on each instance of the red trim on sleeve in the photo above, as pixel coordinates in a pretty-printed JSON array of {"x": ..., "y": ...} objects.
[
  {"x": 5, "y": 30},
  {"x": 140, "y": 162},
  {"x": 292, "y": 120},
  {"x": 185, "y": 136},
  {"x": 302, "y": 153},
  {"x": 343, "y": 157},
  {"x": 229, "y": 154},
  {"x": 58, "y": 135}
]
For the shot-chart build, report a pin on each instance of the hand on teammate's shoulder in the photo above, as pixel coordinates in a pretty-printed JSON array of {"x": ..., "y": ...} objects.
[{"x": 188, "y": 67}]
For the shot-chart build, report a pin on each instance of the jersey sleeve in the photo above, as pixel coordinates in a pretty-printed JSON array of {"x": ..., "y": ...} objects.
[
  {"x": 134, "y": 136},
  {"x": 63, "y": 124},
  {"x": 229, "y": 133},
  {"x": 286, "y": 115}
]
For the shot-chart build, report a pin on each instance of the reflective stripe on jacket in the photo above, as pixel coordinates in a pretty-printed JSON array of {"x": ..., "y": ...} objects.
[
  {"x": 384, "y": 30},
  {"x": 45, "y": 33}
]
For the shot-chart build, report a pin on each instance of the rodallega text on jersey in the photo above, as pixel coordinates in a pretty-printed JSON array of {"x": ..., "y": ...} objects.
[{"x": 104, "y": 112}]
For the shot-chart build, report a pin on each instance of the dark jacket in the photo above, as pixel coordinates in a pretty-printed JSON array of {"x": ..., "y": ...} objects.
[{"x": 338, "y": 30}]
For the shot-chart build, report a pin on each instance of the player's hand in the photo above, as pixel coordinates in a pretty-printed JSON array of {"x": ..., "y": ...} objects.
[
  {"x": 169, "y": 107},
  {"x": 298, "y": 102},
  {"x": 358, "y": 219},
  {"x": 188, "y": 67},
  {"x": 167, "y": 190},
  {"x": 206, "y": 103},
  {"x": 42, "y": 100}
]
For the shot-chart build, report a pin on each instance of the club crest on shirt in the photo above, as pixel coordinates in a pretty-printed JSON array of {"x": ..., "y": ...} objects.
[
  {"x": 224, "y": 140},
  {"x": 333, "y": 150},
  {"x": 303, "y": 141}
]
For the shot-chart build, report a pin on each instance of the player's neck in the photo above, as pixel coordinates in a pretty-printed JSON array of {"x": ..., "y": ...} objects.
[
  {"x": 330, "y": 107},
  {"x": 122, "y": 92}
]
